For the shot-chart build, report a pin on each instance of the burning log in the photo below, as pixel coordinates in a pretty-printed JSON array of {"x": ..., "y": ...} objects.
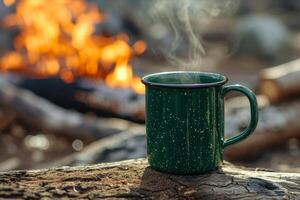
[
  {"x": 88, "y": 95},
  {"x": 281, "y": 82},
  {"x": 72, "y": 46},
  {"x": 69, "y": 45},
  {"x": 46, "y": 116},
  {"x": 134, "y": 179},
  {"x": 121, "y": 102}
]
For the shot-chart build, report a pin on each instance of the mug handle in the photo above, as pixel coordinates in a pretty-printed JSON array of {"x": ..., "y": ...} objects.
[{"x": 253, "y": 110}]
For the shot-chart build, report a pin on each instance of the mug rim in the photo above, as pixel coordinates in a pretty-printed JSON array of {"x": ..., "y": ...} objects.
[{"x": 184, "y": 85}]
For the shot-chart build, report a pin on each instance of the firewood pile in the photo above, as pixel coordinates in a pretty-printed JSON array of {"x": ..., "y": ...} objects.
[
  {"x": 278, "y": 123},
  {"x": 84, "y": 70},
  {"x": 29, "y": 123},
  {"x": 118, "y": 139}
]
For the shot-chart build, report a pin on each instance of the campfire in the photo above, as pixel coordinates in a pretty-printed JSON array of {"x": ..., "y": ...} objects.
[{"x": 61, "y": 40}]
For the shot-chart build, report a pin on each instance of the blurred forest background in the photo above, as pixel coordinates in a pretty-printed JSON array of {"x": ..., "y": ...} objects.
[{"x": 57, "y": 108}]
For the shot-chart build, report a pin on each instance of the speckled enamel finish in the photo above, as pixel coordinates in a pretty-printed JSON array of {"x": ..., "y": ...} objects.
[{"x": 185, "y": 127}]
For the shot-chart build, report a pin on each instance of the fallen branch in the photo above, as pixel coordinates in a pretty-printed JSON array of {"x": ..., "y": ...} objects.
[
  {"x": 133, "y": 179},
  {"x": 121, "y": 102},
  {"x": 277, "y": 124},
  {"x": 40, "y": 113},
  {"x": 86, "y": 94},
  {"x": 281, "y": 82},
  {"x": 130, "y": 144}
]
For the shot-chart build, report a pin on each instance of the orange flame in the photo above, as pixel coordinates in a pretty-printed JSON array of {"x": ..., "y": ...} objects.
[
  {"x": 9, "y": 2},
  {"x": 60, "y": 39}
]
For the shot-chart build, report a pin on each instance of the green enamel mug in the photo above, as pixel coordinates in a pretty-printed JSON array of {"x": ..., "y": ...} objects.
[{"x": 185, "y": 120}]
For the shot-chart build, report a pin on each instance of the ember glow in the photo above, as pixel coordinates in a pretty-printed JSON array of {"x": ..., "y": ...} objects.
[{"x": 58, "y": 38}]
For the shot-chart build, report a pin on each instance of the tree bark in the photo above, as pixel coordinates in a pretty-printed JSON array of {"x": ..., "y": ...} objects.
[
  {"x": 42, "y": 114},
  {"x": 133, "y": 179},
  {"x": 281, "y": 82}
]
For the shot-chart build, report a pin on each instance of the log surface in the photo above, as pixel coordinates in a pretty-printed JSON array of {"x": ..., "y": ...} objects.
[
  {"x": 44, "y": 115},
  {"x": 277, "y": 124},
  {"x": 120, "y": 102},
  {"x": 133, "y": 179},
  {"x": 281, "y": 82}
]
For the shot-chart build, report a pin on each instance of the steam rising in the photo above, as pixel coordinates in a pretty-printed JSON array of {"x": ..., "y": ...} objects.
[{"x": 178, "y": 24}]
